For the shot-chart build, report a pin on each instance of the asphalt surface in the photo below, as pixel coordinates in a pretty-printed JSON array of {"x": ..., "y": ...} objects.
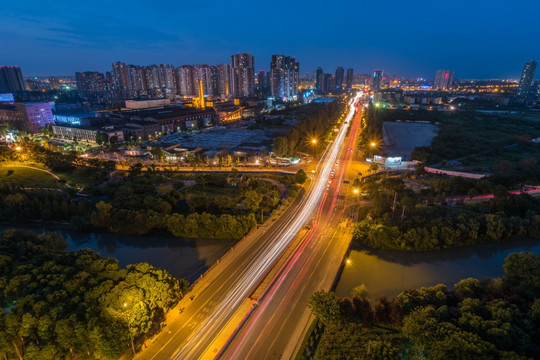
[
  {"x": 207, "y": 309},
  {"x": 277, "y": 326}
]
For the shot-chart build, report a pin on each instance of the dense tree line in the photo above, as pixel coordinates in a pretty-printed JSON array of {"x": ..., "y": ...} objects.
[
  {"x": 315, "y": 126},
  {"x": 21, "y": 206},
  {"x": 139, "y": 206},
  {"x": 60, "y": 305},
  {"x": 151, "y": 202},
  {"x": 399, "y": 219},
  {"x": 490, "y": 319}
]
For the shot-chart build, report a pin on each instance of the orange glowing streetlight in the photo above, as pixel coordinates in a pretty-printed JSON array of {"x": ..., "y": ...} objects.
[
  {"x": 356, "y": 191},
  {"x": 18, "y": 148},
  {"x": 314, "y": 143}
]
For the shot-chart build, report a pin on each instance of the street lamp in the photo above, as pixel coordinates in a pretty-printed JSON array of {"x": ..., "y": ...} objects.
[
  {"x": 314, "y": 143},
  {"x": 130, "y": 333},
  {"x": 18, "y": 148}
]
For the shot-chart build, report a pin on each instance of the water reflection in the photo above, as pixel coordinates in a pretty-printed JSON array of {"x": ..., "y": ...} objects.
[
  {"x": 390, "y": 272},
  {"x": 187, "y": 258}
]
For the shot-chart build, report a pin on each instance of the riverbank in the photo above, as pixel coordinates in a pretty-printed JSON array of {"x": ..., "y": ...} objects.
[
  {"x": 388, "y": 272},
  {"x": 183, "y": 258}
]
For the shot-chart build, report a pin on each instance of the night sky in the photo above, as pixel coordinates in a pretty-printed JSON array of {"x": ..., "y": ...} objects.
[{"x": 413, "y": 38}]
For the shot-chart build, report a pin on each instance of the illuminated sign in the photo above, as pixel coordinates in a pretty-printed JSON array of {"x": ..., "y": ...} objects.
[
  {"x": 6, "y": 98},
  {"x": 393, "y": 160}
]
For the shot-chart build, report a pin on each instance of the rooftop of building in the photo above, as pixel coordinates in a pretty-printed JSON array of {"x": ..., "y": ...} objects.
[{"x": 162, "y": 112}]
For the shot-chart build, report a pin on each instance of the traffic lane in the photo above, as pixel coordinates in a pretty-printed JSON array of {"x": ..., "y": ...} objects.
[
  {"x": 268, "y": 335},
  {"x": 211, "y": 291},
  {"x": 282, "y": 309},
  {"x": 199, "y": 342}
]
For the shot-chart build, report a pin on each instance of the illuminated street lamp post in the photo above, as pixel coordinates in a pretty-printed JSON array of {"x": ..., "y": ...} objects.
[
  {"x": 130, "y": 333},
  {"x": 372, "y": 148},
  {"x": 314, "y": 143},
  {"x": 355, "y": 194}
]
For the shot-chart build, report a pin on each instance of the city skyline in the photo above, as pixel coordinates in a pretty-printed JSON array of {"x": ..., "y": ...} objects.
[{"x": 362, "y": 36}]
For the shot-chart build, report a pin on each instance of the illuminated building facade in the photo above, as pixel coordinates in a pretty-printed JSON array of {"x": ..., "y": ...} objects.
[
  {"x": 223, "y": 79},
  {"x": 340, "y": 73},
  {"x": 350, "y": 77},
  {"x": 377, "y": 80},
  {"x": 90, "y": 82},
  {"x": 243, "y": 75},
  {"x": 36, "y": 115},
  {"x": 526, "y": 79},
  {"x": 443, "y": 79},
  {"x": 318, "y": 77},
  {"x": 284, "y": 77}
]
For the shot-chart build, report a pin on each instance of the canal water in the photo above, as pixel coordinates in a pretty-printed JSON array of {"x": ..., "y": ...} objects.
[
  {"x": 383, "y": 272},
  {"x": 390, "y": 272},
  {"x": 186, "y": 258}
]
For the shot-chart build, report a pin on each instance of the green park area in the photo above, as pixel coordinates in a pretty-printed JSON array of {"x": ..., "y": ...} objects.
[{"x": 27, "y": 177}]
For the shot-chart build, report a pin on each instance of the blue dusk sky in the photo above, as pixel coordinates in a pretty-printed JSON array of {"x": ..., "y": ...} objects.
[{"x": 414, "y": 38}]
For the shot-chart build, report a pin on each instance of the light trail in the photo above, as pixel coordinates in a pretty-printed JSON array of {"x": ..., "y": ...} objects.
[{"x": 249, "y": 278}]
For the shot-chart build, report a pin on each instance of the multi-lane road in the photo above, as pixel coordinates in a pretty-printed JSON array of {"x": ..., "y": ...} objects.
[
  {"x": 191, "y": 332},
  {"x": 276, "y": 327}
]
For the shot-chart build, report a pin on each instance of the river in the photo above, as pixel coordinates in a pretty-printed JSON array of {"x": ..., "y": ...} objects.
[
  {"x": 390, "y": 272},
  {"x": 383, "y": 272},
  {"x": 186, "y": 258}
]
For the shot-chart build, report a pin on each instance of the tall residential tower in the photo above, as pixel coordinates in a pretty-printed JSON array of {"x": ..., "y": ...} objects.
[
  {"x": 443, "y": 79},
  {"x": 526, "y": 79},
  {"x": 243, "y": 75},
  {"x": 284, "y": 77}
]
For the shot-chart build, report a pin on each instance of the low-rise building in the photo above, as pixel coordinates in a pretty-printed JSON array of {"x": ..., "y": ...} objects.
[
  {"x": 86, "y": 133},
  {"x": 169, "y": 119},
  {"x": 146, "y": 104}
]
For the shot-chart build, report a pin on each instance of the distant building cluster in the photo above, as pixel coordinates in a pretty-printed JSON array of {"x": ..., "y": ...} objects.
[
  {"x": 326, "y": 83},
  {"x": 143, "y": 101}
]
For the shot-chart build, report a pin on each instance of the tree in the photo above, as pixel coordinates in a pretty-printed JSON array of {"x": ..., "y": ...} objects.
[
  {"x": 523, "y": 269},
  {"x": 300, "y": 177},
  {"x": 253, "y": 200},
  {"x": 102, "y": 217},
  {"x": 157, "y": 152},
  {"x": 135, "y": 169},
  {"x": 325, "y": 306},
  {"x": 281, "y": 146},
  {"x": 360, "y": 292},
  {"x": 421, "y": 325},
  {"x": 101, "y": 138}
]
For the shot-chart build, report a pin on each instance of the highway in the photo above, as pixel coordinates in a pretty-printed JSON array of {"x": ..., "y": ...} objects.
[
  {"x": 214, "y": 301},
  {"x": 276, "y": 327}
]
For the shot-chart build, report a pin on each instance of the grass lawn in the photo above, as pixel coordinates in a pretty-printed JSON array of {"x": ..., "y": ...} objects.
[
  {"x": 28, "y": 178},
  {"x": 80, "y": 177}
]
